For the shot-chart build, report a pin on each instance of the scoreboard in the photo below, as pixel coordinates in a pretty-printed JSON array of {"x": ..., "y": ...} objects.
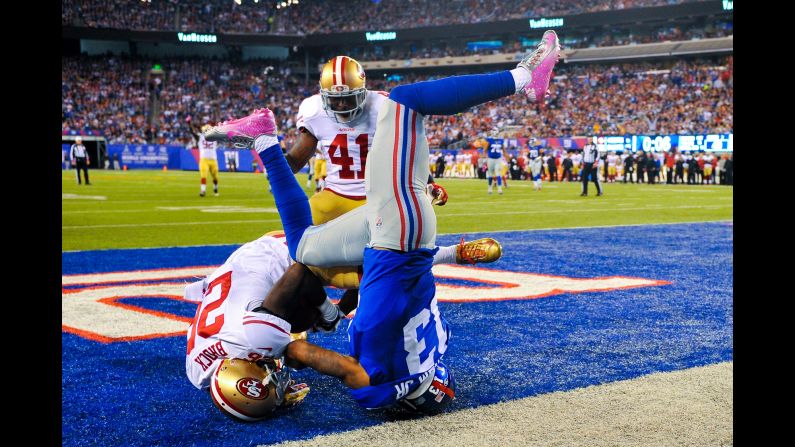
[{"x": 664, "y": 143}]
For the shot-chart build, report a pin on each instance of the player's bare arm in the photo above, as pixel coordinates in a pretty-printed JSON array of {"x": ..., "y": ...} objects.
[
  {"x": 302, "y": 150},
  {"x": 295, "y": 297},
  {"x": 328, "y": 362}
]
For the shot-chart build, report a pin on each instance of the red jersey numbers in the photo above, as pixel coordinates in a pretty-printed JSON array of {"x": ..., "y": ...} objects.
[
  {"x": 339, "y": 155},
  {"x": 217, "y": 291}
]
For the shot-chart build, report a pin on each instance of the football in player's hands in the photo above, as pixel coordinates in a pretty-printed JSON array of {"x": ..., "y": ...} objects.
[{"x": 438, "y": 194}]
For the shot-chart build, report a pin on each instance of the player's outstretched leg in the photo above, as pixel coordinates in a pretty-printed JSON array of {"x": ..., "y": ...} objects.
[
  {"x": 259, "y": 130},
  {"x": 455, "y": 94}
]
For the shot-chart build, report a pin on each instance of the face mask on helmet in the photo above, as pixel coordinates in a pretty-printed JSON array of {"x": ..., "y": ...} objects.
[
  {"x": 248, "y": 391},
  {"x": 342, "y": 89},
  {"x": 435, "y": 397}
]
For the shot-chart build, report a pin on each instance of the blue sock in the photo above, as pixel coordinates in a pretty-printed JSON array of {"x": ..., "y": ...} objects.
[
  {"x": 455, "y": 94},
  {"x": 292, "y": 203},
  {"x": 491, "y": 180},
  {"x": 499, "y": 181}
]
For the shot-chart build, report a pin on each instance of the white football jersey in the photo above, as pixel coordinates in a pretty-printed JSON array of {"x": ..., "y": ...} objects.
[
  {"x": 611, "y": 160},
  {"x": 345, "y": 145},
  {"x": 224, "y": 326},
  {"x": 709, "y": 160},
  {"x": 468, "y": 158},
  {"x": 448, "y": 159},
  {"x": 207, "y": 149}
]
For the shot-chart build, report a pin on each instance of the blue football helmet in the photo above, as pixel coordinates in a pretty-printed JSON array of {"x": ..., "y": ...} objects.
[{"x": 434, "y": 397}]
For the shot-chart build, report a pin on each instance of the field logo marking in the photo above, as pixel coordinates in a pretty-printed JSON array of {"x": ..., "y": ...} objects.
[
  {"x": 92, "y": 307},
  {"x": 500, "y": 285}
]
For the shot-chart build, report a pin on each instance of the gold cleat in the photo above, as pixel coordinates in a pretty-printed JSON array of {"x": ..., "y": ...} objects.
[
  {"x": 479, "y": 251},
  {"x": 298, "y": 336}
]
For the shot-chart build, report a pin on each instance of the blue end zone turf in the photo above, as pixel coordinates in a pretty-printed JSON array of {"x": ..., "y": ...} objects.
[{"x": 136, "y": 393}]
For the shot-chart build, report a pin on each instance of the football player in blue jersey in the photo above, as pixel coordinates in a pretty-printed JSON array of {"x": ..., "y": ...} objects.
[{"x": 398, "y": 336}]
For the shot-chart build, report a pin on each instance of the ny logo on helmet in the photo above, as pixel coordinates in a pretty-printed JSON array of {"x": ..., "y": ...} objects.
[{"x": 252, "y": 388}]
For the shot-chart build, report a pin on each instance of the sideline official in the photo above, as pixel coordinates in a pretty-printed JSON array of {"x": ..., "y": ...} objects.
[
  {"x": 79, "y": 156},
  {"x": 590, "y": 157}
]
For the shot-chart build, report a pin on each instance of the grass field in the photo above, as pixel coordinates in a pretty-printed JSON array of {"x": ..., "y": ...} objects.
[{"x": 138, "y": 209}]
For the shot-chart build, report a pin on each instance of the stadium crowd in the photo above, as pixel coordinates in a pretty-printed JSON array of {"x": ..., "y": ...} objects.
[
  {"x": 112, "y": 96},
  {"x": 319, "y": 16}
]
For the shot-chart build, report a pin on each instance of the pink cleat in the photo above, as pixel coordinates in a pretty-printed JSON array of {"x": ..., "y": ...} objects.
[
  {"x": 540, "y": 64},
  {"x": 243, "y": 131}
]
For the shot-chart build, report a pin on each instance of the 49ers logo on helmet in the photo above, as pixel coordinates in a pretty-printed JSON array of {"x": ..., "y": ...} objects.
[
  {"x": 341, "y": 88},
  {"x": 252, "y": 388}
]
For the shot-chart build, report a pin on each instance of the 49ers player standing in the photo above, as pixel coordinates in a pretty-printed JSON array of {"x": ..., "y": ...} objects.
[{"x": 208, "y": 159}]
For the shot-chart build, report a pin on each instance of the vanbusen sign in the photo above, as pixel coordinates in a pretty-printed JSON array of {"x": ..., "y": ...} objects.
[
  {"x": 546, "y": 23},
  {"x": 380, "y": 36},
  {"x": 193, "y": 37}
]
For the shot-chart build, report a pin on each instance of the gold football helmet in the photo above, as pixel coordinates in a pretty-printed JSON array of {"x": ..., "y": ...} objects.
[
  {"x": 206, "y": 127},
  {"x": 249, "y": 391},
  {"x": 342, "y": 88}
]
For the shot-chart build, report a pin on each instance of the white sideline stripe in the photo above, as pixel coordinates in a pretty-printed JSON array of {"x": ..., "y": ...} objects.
[
  {"x": 688, "y": 407},
  {"x": 447, "y": 234},
  {"x": 600, "y": 210},
  {"x": 171, "y": 224},
  {"x": 139, "y": 275},
  {"x": 81, "y": 197}
]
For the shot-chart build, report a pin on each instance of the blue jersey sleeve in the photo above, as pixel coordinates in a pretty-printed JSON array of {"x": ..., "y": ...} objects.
[{"x": 455, "y": 94}]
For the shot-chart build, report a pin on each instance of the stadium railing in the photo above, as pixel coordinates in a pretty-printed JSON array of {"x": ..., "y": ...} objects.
[{"x": 702, "y": 46}]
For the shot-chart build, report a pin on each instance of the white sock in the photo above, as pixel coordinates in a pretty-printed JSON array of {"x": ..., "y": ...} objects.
[
  {"x": 204, "y": 188},
  {"x": 445, "y": 255},
  {"x": 328, "y": 310},
  {"x": 265, "y": 141},
  {"x": 521, "y": 77}
]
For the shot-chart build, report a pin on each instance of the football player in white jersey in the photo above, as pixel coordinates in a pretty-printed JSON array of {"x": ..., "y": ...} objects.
[
  {"x": 208, "y": 158},
  {"x": 341, "y": 122},
  {"x": 247, "y": 309},
  {"x": 709, "y": 161},
  {"x": 449, "y": 165},
  {"x": 469, "y": 170},
  {"x": 612, "y": 171},
  {"x": 459, "y": 164}
]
